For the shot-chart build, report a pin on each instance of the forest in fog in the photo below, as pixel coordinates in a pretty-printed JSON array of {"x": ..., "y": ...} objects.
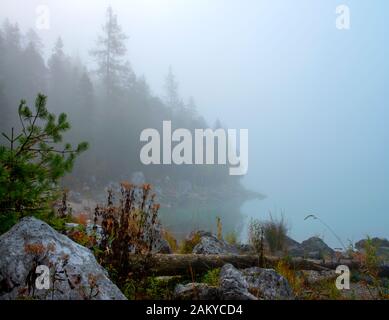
[{"x": 108, "y": 106}]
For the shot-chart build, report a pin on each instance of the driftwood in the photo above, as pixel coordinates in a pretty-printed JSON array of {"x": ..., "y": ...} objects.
[
  {"x": 178, "y": 264},
  {"x": 187, "y": 264}
]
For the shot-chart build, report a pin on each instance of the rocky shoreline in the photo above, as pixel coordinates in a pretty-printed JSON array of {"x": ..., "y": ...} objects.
[{"x": 76, "y": 275}]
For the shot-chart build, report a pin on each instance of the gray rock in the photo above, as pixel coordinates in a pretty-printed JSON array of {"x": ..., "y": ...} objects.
[
  {"x": 210, "y": 244},
  {"x": 316, "y": 248},
  {"x": 267, "y": 284},
  {"x": 31, "y": 243},
  {"x": 160, "y": 244},
  {"x": 377, "y": 242},
  {"x": 233, "y": 285},
  {"x": 293, "y": 247},
  {"x": 245, "y": 248},
  {"x": 196, "y": 291},
  {"x": 248, "y": 284}
]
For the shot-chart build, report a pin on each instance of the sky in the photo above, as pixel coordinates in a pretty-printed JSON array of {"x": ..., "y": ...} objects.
[{"x": 313, "y": 97}]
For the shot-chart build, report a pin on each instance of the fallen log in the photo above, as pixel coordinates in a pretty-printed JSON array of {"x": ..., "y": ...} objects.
[
  {"x": 189, "y": 264},
  {"x": 180, "y": 264}
]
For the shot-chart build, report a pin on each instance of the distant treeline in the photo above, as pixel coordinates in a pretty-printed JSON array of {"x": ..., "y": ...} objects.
[{"x": 108, "y": 106}]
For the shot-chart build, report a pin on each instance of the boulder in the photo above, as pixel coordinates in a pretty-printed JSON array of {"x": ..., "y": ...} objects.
[
  {"x": 377, "y": 242},
  {"x": 74, "y": 273},
  {"x": 293, "y": 247},
  {"x": 210, "y": 244},
  {"x": 233, "y": 284},
  {"x": 267, "y": 284},
  {"x": 316, "y": 248},
  {"x": 196, "y": 291},
  {"x": 248, "y": 284},
  {"x": 160, "y": 244},
  {"x": 381, "y": 244}
]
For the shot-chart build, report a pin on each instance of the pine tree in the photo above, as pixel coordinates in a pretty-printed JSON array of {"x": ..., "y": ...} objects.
[
  {"x": 33, "y": 40},
  {"x": 35, "y": 71},
  {"x": 60, "y": 84},
  {"x": 12, "y": 36},
  {"x": 3, "y": 118},
  {"x": 85, "y": 92},
  {"x": 109, "y": 53},
  {"x": 191, "y": 108},
  {"x": 172, "y": 98},
  {"x": 32, "y": 163},
  {"x": 57, "y": 61},
  {"x": 12, "y": 70}
]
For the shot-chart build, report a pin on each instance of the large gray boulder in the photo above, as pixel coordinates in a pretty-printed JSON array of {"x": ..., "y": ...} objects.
[
  {"x": 293, "y": 247},
  {"x": 316, "y": 248},
  {"x": 267, "y": 284},
  {"x": 233, "y": 284},
  {"x": 210, "y": 244},
  {"x": 248, "y": 284},
  {"x": 74, "y": 273}
]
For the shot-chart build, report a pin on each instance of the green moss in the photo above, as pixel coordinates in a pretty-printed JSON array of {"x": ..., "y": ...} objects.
[
  {"x": 212, "y": 277},
  {"x": 151, "y": 288}
]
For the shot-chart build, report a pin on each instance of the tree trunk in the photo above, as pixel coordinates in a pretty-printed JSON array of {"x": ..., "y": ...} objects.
[
  {"x": 191, "y": 264},
  {"x": 181, "y": 264}
]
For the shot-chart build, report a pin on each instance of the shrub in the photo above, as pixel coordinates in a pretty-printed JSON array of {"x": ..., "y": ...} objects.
[
  {"x": 187, "y": 245},
  {"x": 130, "y": 226},
  {"x": 231, "y": 238},
  {"x": 33, "y": 163},
  {"x": 296, "y": 283},
  {"x": 81, "y": 236},
  {"x": 169, "y": 237},
  {"x": 212, "y": 277},
  {"x": 275, "y": 232},
  {"x": 82, "y": 218},
  {"x": 256, "y": 236}
]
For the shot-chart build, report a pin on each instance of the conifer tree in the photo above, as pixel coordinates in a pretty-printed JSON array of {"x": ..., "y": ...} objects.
[
  {"x": 172, "y": 98},
  {"x": 33, "y": 162},
  {"x": 109, "y": 54}
]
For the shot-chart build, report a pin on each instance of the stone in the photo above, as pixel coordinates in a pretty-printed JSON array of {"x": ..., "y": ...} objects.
[
  {"x": 248, "y": 284},
  {"x": 316, "y": 248},
  {"x": 267, "y": 284},
  {"x": 233, "y": 285},
  {"x": 74, "y": 273},
  {"x": 196, "y": 291},
  {"x": 210, "y": 244}
]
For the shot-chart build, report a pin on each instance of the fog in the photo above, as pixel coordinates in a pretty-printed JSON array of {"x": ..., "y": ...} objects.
[{"x": 314, "y": 98}]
